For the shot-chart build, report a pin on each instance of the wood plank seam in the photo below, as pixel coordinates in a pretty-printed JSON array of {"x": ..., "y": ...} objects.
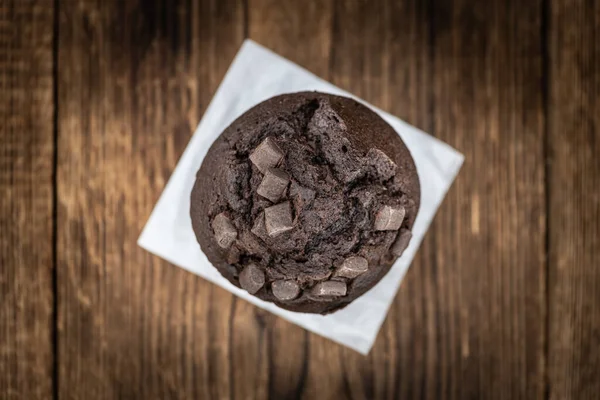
[
  {"x": 545, "y": 45},
  {"x": 55, "y": 332}
]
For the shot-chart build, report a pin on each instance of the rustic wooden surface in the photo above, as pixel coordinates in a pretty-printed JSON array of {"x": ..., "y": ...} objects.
[
  {"x": 99, "y": 99},
  {"x": 573, "y": 180},
  {"x": 26, "y": 200}
]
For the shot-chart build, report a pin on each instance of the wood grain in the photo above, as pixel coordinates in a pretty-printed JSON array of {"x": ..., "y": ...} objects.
[
  {"x": 486, "y": 255},
  {"x": 574, "y": 211},
  {"x": 26, "y": 193},
  {"x": 470, "y": 318},
  {"x": 134, "y": 78},
  {"x": 362, "y": 42},
  {"x": 300, "y": 365},
  {"x": 421, "y": 63},
  {"x": 378, "y": 49},
  {"x": 502, "y": 300}
]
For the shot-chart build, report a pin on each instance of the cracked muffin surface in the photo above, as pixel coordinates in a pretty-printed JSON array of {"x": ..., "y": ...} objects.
[{"x": 306, "y": 200}]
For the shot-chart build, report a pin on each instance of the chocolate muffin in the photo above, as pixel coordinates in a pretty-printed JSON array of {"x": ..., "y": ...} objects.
[{"x": 305, "y": 201}]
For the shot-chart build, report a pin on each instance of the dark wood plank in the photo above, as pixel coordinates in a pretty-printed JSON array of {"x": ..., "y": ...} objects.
[
  {"x": 574, "y": 211},
  {"x": 298, "y": 31},
  {"x": 485, "y": 264},
  {"x": 382, "y": 54},
  {"x": 134, "y": 79},
  {"x": 26, "y": 199},
  {"x": 301, "y": 365},
  {"x": 469, "y": 320}
]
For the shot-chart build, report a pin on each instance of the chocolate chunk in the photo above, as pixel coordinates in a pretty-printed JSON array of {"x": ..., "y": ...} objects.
[
  {"x": 329, "y": 289},
  {"x": 266, "y": 155},
  {"x": 384, "y": 167},
  {"x": 389, "y": 218},
  {"x": 259, "y": 229},
  {"x": 285, "y": 290},
  {"x": 233, "y": 257},
  {"x": 278, "y": 218},
  {"x": 252, "y": 278},
  {"x": 225, "y": 232},
  {"x": 250, "y": 243},
  {"x": 352, "y": 267},
  {"x": 401, "y": 242},
  {"x": 273, "y": 184}
]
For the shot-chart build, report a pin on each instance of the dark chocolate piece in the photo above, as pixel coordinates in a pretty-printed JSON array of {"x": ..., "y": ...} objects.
[
  {"x": 384, "y": 167},
  {"x": 258, "y": 228},
  {"x": 266, "y": 155},
  {"x": 285, "y": 289},
  {"x": 352, "y": 267},
  {"x": 273, "y": 184},
  {"x": 225, "y": 232},
  {"x": 329, "y": 289},
  {"x": 233, "y": 257},
  {"x": 278, "y": 219},
  {"x": 252, "y": 278},
  {"x": 389, "y": 218},
  {"x": 401, "y": 242},
  {"x": 249, "y": 242}
]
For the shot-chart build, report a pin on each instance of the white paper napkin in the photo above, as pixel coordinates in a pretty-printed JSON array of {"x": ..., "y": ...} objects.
[{"x": 255, "y": 75}]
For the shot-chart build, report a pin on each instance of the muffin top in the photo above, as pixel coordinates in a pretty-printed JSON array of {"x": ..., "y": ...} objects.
[{"x": 306, "y": 200}]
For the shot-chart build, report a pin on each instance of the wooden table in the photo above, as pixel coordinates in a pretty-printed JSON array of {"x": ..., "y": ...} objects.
[{"x": 99, "y": 99}]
